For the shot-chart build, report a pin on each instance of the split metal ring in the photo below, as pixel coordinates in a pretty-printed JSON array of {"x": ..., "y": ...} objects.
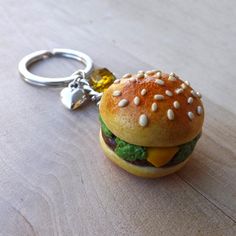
[{"x": 28, "y": 60}]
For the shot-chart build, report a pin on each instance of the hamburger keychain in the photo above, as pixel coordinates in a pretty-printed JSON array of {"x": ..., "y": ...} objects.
[{"x": 150, "y": 121}]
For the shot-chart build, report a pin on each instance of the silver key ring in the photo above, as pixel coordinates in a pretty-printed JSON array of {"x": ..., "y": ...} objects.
[{"x": 28, "y": 60}]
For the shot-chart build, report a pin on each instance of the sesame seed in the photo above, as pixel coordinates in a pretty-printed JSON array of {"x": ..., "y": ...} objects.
[
  {"x": 158, "y": 74},
  {"x": 171, "y": 77},
  {"x": 158, "y": 97},
  {"x": 155, "y": 71},
  {"x": 169, "y": 93},
  {"x": 199, "y": 94},
  {"x": 149, "y": 72},
  {"x": 133, "y": 79},
  {"x": 116, "y": 93},
  {"x": 123, "y": 103},
  {"x": 139, "y": 76},
  {"x": 141, "y": 72},
  {"x": 160, "y": 82},
  {"x": 190, "y": 100},
  {"x": 176, "y": 105},
  {"x": 143, "y": 92},
  {"x": 179, "y": 90},
  {"x": 190, "y": 115},
  {"x": 136, "y": 101},
  {"x": 143, "y": 120},
  {"x": 199, "y": 110},
  {"x": 117, "y": 81},
  {"x": 194, "y": 93},
  {"x": 187, "y": 82},
  {"x": 154, "y": 107},
  {"x": 170, "y": 114},
  {"x": 183, "y": 86},
  {"x": 126, "y": 76}
]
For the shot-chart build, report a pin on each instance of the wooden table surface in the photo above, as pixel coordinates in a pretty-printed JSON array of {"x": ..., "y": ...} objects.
[{"x": 54, "y": 177}]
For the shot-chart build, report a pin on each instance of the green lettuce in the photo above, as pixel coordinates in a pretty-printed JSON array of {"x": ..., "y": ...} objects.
[
  {"x": 104, "y": 128},
  {"x": 130, "y": 152},
  {"x": 126, "y": 151}
]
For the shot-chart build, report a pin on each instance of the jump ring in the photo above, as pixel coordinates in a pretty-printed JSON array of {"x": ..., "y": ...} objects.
[{"x": 31, "y": 78}]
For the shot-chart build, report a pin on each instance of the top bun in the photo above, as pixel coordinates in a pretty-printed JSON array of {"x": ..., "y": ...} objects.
[{"x": 152, "y": 109}]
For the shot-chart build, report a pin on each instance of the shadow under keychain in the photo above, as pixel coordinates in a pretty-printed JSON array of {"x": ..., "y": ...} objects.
[
  {"x": 82, "y": 84},
  {"x": 150, "y": 121}
]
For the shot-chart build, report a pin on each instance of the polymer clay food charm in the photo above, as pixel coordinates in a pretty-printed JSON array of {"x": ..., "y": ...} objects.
[{"x": 150, "y": 123}]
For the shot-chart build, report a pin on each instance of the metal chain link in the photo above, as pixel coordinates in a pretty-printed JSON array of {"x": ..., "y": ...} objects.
[{"x": 81, "y": 82}]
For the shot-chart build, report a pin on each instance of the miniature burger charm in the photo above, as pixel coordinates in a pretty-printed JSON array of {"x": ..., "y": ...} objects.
[{"x": 150, "y": 123}]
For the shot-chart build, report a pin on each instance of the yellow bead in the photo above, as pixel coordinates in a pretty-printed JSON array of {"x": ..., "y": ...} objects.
[{"x": 101, "y": 79}]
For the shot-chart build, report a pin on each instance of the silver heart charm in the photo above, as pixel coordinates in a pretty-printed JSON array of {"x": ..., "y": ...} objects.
[
  {"x": 72, "y": 97},
  {"x": 78, "y": 91}
]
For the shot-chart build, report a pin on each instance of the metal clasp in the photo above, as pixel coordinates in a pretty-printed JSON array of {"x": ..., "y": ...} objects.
[{"x": 78, "y": 92}]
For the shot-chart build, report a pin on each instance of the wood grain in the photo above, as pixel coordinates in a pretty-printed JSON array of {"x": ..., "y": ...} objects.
[{"x": 54, "y": 178}]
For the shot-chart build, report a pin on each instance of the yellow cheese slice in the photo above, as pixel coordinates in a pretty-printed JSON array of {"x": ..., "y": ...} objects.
[{"x": 161, "y": 156}]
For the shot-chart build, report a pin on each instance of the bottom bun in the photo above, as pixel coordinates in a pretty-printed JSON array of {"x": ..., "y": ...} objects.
[{"x": 142, "y": 171}]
